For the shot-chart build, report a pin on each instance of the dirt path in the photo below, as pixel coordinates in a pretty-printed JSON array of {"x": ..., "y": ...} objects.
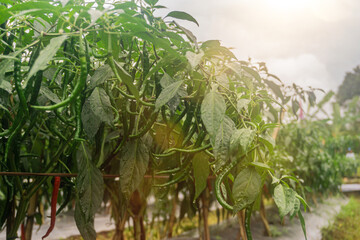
[{"x": 318, "y": 218}]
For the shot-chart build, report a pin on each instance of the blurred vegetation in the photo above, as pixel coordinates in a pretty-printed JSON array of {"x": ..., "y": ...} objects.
[
  {"x": 350, "y": 86},
  {"x": 346, "y": 225}
]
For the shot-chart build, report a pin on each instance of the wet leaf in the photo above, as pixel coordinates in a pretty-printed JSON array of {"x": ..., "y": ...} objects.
[
  {"x": 201, "y": 172},
  {"x": 167, "y": 94},
  {"x": 183, "y": 16},
  {"x": 101, "y": 75},
  {"x": 247, "y": 186},
  {"x": 46, "y": 55},
  {"x": 213, "y": 110},
  {"x": 134, "y": 160}
]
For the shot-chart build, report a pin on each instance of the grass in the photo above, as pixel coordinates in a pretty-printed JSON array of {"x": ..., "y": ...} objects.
[{"x": 346, "y": 224}]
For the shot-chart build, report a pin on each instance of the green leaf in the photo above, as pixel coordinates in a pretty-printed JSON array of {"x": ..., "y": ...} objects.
[
  {"x": 213, "y": 109},
  {"x": 242, "y": 104},
  {"x": 86, "y": 227},
  {"x": 194, "y": 58},
  {"x": 295, "y": 106},
  {"x": 302, "y": 221},
  {"x": 90, "y": 190},
  {"x": 274, "y": 76},
  {"x": 151, "y": 2},
  {"x": 238, "y": 70},
  {"x": 275, "y": 88},
  {"x": 183, "y": 16},
  {"x": 46, "y": 55},
  {"x": 210, "y": 44},
  {"x": 174, "y": 102},
  {"x": 95, "y": 14},
  {"x": 101, "y": 106},
  {"x": 4, "y": 15},
  {"x": 90, "y": 121},
  {"x": 312, "y": 98},
  {"x": 41, "y": 26},
  {"x": 303, "y": 202},
  {"x": 325, "y": 99},
  {"x": 296, "y": 208},
  {"x": 262, "y": 166},
  {"x": 161, "y": 63},
  {"x": 247, "y": 186},
  {"x": 2, "y": 196},
  {"x": 101, "y": 75},
  {"x": 126, "y": 78},
  {"x": 6, "y": 65},
  {"x": 201, "y": 173},
  {"x": 241, "y": 140},
  {"x": 290, "y": 177},
  {"x": 49, "y": 94},
  {"x": 188, "y": 33},
  {"x": 166, "y": 80},
  {"x": 223, "y": 80},
  {"x": 284, "y": 198},
  {"x": 167, "y": 94},
  {"x": 134, "y": 160},
  {"x": 5, "y": 85},
  {"x": 268, "y": 141},
  {"x": 222, "y": 142},
  {"x": 252, "y": 73},
  {"x": 32, "y": 5}
]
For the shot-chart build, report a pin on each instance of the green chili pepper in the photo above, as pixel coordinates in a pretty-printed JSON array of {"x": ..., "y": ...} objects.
[
  {"x": 248, "y": 212},
  {"x": 78, "y": 107},
  {"x": 147, "y": 127},
  {"x": 56, "y": 73},
  {"x": 18, "y": 88},
  {"x": 175, "y": 180},
  {"x": 220, "y": 179},
  {"x": 79, "y": 87},
  {"x": 172, "y": 151},
  {"x": 218, "y": 182}
]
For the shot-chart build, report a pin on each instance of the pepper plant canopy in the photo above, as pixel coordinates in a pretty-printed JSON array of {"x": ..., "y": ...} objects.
[{"x": 92, "y": 88}]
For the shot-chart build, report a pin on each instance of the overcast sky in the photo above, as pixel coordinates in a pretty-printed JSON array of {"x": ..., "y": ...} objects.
[{"x": 308, "y": 42}]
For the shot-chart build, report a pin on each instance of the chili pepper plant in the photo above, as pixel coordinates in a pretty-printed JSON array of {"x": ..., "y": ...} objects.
[{"x": 94, "y": 88}]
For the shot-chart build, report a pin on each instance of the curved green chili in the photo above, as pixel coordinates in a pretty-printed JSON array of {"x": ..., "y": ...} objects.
[
  {"x": 248, "y": 212},
  {"x": 78, "y": 107},
  {"x": 189, "y": 136},
  {"x": 220, "y": 179},
  {"x": 172, "y": 151},
  {"x": 175, "y": 180},
  {"x": 18, "y": 87},
  {"x": 132, "y": 97},
  {"x": 99, "y": 56},
  {"x": 186, "y": 163},
  {"x": 80, "y": 83},
  {"x": 218, "y": 182},
  {"x": 147, "y": 127},
  {"x": 168, "y": 171},
  {"x": 57, "y": 73},
  {"x": 63, "y": 119}
]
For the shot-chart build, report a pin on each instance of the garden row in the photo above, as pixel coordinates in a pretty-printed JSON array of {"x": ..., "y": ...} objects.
[{"x": 97, "y": 89}]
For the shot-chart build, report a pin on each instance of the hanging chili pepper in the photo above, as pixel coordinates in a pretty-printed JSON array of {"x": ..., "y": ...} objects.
[
  {"x": 53, "y": 205},
  {"x": 23, "y": 232}
]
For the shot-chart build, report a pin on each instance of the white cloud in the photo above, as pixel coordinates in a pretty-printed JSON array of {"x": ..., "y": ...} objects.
[
  {"x": 311, "y": 42},
  {"x": 304, "y": 70}
]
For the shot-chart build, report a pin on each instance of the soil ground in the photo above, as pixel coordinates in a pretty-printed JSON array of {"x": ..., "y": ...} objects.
[{"x": 318, "y": 218}]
